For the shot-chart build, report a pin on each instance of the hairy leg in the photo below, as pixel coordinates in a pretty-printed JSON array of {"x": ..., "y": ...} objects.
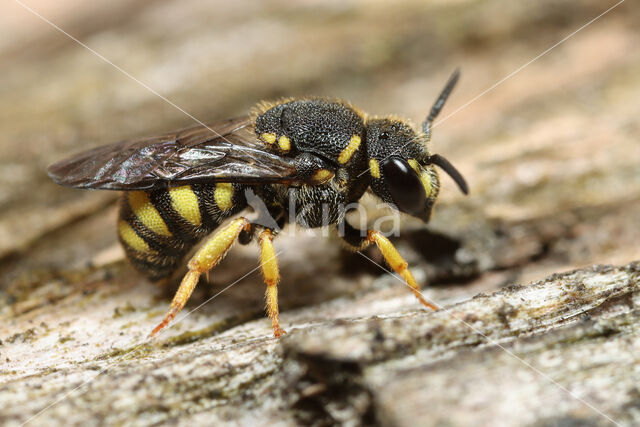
[
  {"x": 399, "y": 265},
  {"x": 207, "y": 257},
  {"x": 357, "y": 241},
  {"x": 271, "y": 275}
]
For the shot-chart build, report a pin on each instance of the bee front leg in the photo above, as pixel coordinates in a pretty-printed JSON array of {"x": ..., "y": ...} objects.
[
  {"x": 207, "y": 257},
  {"x": 391, "y": 255},
  {"x": 271, "y": 274},
  {"x": 395, "y": 260}
]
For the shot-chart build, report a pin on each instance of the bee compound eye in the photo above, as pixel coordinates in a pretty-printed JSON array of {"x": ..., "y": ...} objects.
[{"x": 404, "y": 185}]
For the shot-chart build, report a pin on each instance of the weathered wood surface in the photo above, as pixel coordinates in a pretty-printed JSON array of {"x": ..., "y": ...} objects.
[{"x": 551, "y": 154}]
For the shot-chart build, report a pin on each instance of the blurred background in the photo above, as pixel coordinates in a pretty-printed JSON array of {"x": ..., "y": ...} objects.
[{"x": 547, "y": 139}]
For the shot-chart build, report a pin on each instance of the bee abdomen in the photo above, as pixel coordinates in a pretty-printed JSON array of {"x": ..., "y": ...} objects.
[{"x": 158, "y": 228}]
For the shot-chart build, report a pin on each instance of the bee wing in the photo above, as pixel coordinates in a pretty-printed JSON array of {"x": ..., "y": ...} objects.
[{"x": 226, "y": 151}]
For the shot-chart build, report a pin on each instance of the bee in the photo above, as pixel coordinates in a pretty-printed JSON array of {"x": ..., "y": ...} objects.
[{"x": 302, "y": 159}]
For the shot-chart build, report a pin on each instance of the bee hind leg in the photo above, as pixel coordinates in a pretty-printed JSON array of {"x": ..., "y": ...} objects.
[
  {"x": 271, "y": 274},
  {"x": 208, "y": 256}
]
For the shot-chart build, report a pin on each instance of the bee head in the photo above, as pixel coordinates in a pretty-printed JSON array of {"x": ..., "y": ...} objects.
[{"x": 402, "y": 170}]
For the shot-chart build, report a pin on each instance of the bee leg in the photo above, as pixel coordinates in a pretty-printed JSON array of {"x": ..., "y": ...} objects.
[
  {"x": 269, "y": 264},
  {"x": 395, "y": 260},
  {"x": 207, "y": 257},
  {"x": 356, "y": 240}
]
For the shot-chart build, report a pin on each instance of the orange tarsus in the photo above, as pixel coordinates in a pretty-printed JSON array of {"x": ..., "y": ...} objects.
[
  {"x": 398, "y": 264},
  {"x": 167, "y": 319}
]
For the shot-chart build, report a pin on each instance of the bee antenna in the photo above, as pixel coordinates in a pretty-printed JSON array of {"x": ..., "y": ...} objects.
[
  {"x": 437, "y": 106},
  {"x": 445, "y": 165}
]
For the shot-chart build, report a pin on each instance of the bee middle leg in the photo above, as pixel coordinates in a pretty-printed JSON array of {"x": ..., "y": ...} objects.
[
  {"x": 271, "y": 274},
  {"x": 207, "y": 257},
  {"x": 391, "y": 255}
]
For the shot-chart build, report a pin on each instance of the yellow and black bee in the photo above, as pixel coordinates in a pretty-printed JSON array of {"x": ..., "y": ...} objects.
[{"x": 304, "y": 159}]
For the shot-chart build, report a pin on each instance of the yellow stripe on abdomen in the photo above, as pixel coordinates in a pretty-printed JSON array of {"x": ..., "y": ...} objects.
[
  {"x": 144, "y": 210},
  {"x": 224, "y": 195},
  {"x": 131, "y": 239},
  {"x": 185, "y": 202}
]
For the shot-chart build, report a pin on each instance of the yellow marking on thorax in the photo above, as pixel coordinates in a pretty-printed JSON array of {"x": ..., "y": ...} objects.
[
  {"x": 322, "y": 175},
  {"x": 147, "y": 213},
  {"x": 354, "y": 144},
  {"x": 185, "y": 202},
  {"x": 424, "y": 177},
  {"x": 224, "y": 195},
  {"x": 284, "y": 143},
  {"x": 130, "y": 237},
  {"x": 269, "y": 138},
  {"x": 374, "y": 168}
]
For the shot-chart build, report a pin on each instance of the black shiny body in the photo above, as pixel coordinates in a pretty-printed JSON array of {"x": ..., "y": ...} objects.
[
  {"x": 319, "y": 131},
  {"x": 301, "y": 161}
]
